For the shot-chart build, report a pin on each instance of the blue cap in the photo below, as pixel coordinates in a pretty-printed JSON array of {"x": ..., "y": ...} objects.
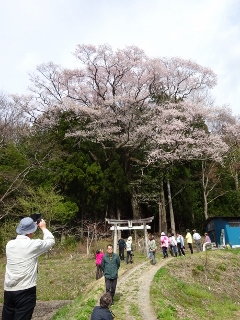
[{"x": 26, "y": 226}]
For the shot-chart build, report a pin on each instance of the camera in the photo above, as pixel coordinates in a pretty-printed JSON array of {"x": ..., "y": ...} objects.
[{"x": 37, "y": 217}]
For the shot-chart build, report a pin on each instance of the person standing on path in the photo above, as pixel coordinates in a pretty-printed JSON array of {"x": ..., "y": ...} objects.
[
  {"x": 21, "y": 269},
  {"x": 164, "y": 244},
  {"x": 152, "y": 249},
  {"x": 98, "y": 257},
  {"x": 189, "y": 240},
  {"x": 197, "y": 239},
  {"x": 121, "y": 248},
  {"x": 110, "y": 266},
  {"x": 129, "y": 248}
]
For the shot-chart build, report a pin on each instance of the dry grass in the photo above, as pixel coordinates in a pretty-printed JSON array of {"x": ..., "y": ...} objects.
[{"x": 199, "y": 286}]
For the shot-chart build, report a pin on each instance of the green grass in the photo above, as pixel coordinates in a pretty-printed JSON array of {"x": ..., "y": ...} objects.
[
  {"x": 134, "y": 311},
  {"x": 188, "y": 289},
  {"x": 199, "y": 286}
]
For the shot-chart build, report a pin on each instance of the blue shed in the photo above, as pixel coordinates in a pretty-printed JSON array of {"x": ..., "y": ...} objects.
[{"x": 224, "y": 230}]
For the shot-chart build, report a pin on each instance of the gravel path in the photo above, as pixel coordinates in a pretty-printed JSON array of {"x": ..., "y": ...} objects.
[{"x": 134, "y": 288}]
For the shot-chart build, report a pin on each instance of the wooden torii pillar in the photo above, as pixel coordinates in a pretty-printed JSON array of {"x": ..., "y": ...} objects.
[{"x": 129, "y": 225}]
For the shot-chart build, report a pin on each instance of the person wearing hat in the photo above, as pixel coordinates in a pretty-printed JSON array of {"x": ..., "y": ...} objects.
[
  {"x": 164, "y": 244},
  {"x": 21, "y": 269},
  {"x": 129, "y": 248}
]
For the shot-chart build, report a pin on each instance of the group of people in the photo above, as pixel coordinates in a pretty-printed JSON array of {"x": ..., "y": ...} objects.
[
  {"x": 175, "y": 244},
  {"x": 108, "y": 264},
  {"x": 128, "y": 246},
  {"x": 22, "y": 267},
  {"x": 22, "y": 258}
]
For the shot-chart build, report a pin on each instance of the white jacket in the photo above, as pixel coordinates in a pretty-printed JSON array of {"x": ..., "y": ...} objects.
[
  {"x": 129, "y": 246},
  {"x": 22, "y": 257}
]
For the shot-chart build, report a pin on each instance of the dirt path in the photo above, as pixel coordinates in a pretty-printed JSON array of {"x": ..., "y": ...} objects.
[{"x": 134, "y": 288}]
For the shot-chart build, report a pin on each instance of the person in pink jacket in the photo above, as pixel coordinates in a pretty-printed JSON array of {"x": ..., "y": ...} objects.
[
  {"x": 98, "y": 256},
  {"x": 164, "y": 244}
]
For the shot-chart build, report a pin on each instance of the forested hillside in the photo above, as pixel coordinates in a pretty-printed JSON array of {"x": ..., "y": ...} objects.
[{"x": 123, "y": 136}]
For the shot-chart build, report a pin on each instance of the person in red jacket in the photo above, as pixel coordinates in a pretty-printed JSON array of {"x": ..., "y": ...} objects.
[
  {"x": 164, "y": 244},
  {"x": 98, "y": 256}
]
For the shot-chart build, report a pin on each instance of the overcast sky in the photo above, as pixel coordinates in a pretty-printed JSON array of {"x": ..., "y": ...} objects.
[{"x": 38, "y": 31}]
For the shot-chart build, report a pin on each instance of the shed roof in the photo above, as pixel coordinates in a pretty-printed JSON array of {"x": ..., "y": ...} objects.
[{"x": 222, "y": 218}]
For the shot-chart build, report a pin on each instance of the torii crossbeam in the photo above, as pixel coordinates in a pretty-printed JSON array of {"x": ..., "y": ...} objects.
[{"x": 129, "y": 225}]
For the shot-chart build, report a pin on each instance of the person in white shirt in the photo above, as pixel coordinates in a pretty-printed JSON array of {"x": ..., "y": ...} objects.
[
  {"x": 197, "y": 239},
  {"x": 129, "y": 248},
  {"x": 173, "y": 245},
  {"x": 21, "y": 269}
]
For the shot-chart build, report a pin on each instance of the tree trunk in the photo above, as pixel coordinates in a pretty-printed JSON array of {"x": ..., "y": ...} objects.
[
  {"x": 135, "y": 205},
  {"x": 236, "y": 180},
  {"x": 162, "y": 210},
  {"x": 205, "y": 184},
  {"x": 170, "y": 207}
]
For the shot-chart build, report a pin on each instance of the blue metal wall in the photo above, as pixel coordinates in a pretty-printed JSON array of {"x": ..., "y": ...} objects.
[{"x": 231, "y": 233}]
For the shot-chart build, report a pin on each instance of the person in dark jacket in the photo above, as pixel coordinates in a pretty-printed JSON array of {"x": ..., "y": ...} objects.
[
  {"x": 110, "y": 266},
  {"x": 121, "y": 247},
  {"x": 102, "y": 312}
]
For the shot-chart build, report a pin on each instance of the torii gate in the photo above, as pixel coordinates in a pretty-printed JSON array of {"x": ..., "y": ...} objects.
[{"x": 130, "y": 226}]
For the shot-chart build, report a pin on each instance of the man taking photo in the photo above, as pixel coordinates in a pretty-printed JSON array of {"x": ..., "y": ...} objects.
[{"x": 21, "y": 269}]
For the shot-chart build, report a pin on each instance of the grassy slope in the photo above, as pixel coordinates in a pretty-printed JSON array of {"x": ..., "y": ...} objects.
[{"x": 199, "y": 286}]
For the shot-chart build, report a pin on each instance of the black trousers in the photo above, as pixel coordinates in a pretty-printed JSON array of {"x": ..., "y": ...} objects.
[
  {"x": 190, "y": 247},
  {"x": 129, "y": 257},
  {"x": 164, "y": 251},
  {"x": 111, "y": 286},
  {"x": 121, "y": 253},
  {"x": 180, "y": 249},
  {"x": 19, "y": 305},
  {"x": 99, "y": 272}
]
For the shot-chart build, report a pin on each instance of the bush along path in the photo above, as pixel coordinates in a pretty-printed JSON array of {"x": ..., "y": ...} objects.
[{"x": 132, "y": 299}]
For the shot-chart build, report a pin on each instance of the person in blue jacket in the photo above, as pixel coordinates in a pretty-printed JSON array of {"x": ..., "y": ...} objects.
[
  {"x": 110, "y": 265},
  {"x": 102, "y": 312}
]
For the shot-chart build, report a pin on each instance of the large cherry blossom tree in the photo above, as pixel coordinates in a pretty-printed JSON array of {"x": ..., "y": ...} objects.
[{"x": 126, "y": 100}]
